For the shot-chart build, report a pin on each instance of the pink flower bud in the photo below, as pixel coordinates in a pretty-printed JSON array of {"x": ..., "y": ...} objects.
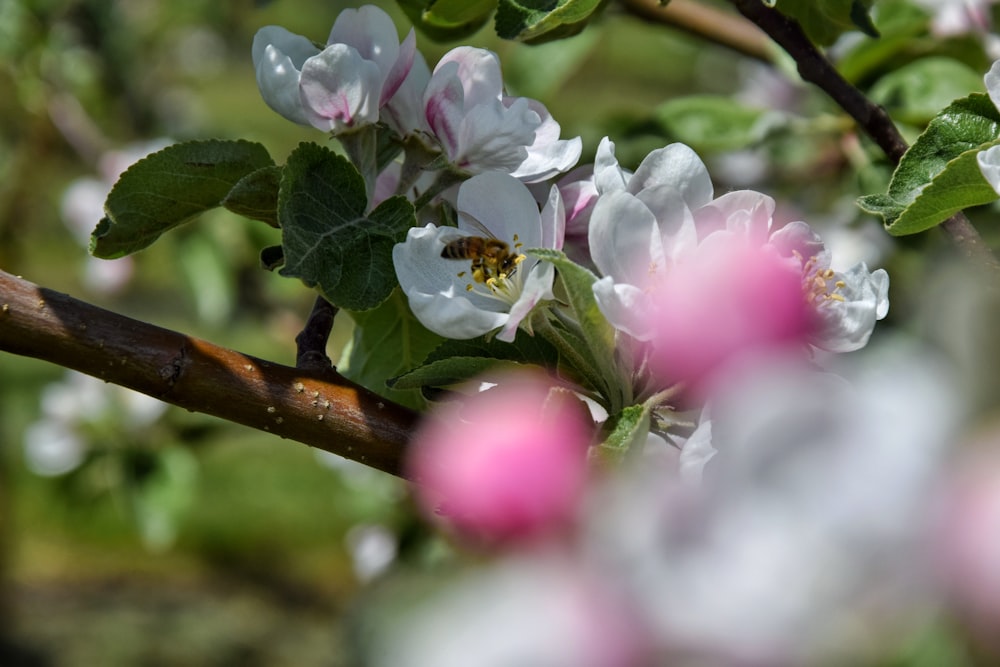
[{"x": 508, "y": 463}]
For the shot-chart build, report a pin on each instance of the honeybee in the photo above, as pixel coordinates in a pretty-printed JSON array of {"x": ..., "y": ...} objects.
[{"x": 492, "y": 259}]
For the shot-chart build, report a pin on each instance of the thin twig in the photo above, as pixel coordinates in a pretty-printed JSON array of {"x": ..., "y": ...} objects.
[
  {"x": 311, "y": 341},
  {"x": 707, "y": 23},
  {"x": 320, "y": 409},
  {"x": 873, "y": 119},
  {"x": 816, "y": 69}
]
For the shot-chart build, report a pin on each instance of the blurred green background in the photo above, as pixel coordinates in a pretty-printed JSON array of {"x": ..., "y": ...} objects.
[{"x": 169, "y": 538}]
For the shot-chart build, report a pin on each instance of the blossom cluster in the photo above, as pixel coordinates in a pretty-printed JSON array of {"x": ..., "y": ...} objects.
[{"x": 659, "y": 297}]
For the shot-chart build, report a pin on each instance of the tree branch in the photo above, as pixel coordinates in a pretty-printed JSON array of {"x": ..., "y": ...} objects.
[
  {"x": 873, "y": 119},
  {"x": 707, "y": 23},
  {"x": 319, "y": 408},
  {"x": 311, "y": 341}
]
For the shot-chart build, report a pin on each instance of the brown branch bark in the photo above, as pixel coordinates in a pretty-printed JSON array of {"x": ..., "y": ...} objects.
[{"x": 315, "y": 407}]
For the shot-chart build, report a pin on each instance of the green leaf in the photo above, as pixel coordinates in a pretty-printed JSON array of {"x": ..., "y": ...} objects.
[
  {"x": 587, "y": 346},
  {"x": 255, "y": 196},
  {"x": 939, "y": 176},
  {"x": 453, "y": 370},
  {"x": 901, "y": 26},
  {"x": 629, "y": 429},
  {"x": 171, "y": 187},
  {"x": 825, "y": 20},
  {"x": 537, "y": 21},
  {"x": 455, "y": 361},
  {"x": 448, "y": 20},
  {"x": 328, "y": 240},
  {"x": 715, "y": 123},
  {"x": 388, "y": 341},
  {"x": 917, "y": 91},
  {"x": 598, "y": 334}
]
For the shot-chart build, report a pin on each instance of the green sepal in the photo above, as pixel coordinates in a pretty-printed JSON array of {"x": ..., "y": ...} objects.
[
  {"x": 598, "y": 334},
  {"x": 628, "y": 431},
  {"x": 538, "y": 21},
  {"x": 329, "y": 241},
  {"x": 169, "y": 188},
  {"x": 939, "y": 175}
]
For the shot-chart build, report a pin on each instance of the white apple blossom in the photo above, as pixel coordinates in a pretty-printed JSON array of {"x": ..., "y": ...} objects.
[
  {"x": 481, "y": 129},
  {"x": 449, "y": 296},
  {"x": 341, "y": 87},
  {"x": 645, "y": 223}
]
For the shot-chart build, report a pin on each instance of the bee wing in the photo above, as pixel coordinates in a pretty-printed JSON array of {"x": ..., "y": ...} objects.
[{"x": 476, "y": 224}]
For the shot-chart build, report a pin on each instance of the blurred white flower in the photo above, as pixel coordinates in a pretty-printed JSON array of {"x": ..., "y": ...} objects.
[
  {"x": 58, "y": 442},
  {"x": 52, "y": 448},
  {"x": 540, "y": 611},
  {"x": 373, "y": 549},
  {"x": 809, "y": 535}
]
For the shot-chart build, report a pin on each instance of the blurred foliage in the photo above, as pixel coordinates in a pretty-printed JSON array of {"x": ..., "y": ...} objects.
[{"x": 258, "y": 566}]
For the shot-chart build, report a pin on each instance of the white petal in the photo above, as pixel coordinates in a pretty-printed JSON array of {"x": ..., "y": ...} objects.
[
  {"x": 553, "y": 220},
  {"x": 435, "y": 292},
  {"x": 696, "y": 454},
  {"x": 675, "y": 222},
  {"x": 989, "y": 161},
  {"x": 678, "y": 166},
  {"x": 624, "y": 238},
  {"x": 404, "y": 112},
  {"x": 620, "y": 303},
  {"x": 371, "y": 32},
  {"x": 608, "y": 175},
  {"x": 339, "y": 89},
  {"x": 848, "y": 324},
  {"x": 400, "y": 70},
  {"x": 746, "y": 212},
  {"x": 992, "y": 80},
  {"x": 504, "y": 205},
  {"x": 548, "y": 155},
  {"x": 479, "y": 72},
  {"x": 537, "y": 287},
  {"x": 278, "y": 55}
]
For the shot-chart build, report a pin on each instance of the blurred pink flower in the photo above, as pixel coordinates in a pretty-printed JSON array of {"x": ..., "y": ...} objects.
[
  {"x": 508, "y": 463},
  {"x": 726, "y": 300}
]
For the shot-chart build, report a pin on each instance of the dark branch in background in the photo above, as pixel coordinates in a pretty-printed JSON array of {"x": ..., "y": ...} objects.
[
  {"x": 707, "y": 23},
  {"x": 311, "y": 341},
  {"x": 318, "y": 408},
  {"x": 816, "y": 69},
  {"x": 873, "y": 119}
]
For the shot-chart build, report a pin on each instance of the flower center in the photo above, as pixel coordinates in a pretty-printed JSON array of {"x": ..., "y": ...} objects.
[{"x": 819, "y": 284}]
